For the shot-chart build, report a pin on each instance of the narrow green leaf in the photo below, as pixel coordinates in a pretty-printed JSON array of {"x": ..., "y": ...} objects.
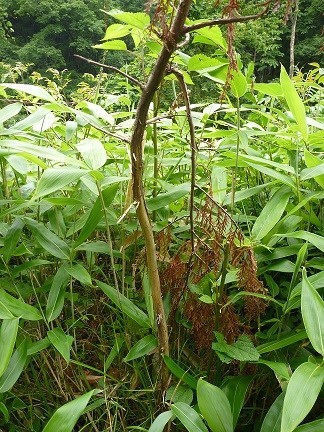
[
  {"x": 312, "y": 307},
  {"x": 96, "y": 213},
  {"x": 55, "y": 299},
  {"x": 160, "y": 421},
  {"x": 312, "y": 172},
  {"x": 271, "y": 213},
  {"x": 48, "y": 240},
  {"x": 38, "y": 346},
  {"x": 215, "y": 407},
  {"x": 116, "y": 44},
  {"x": 8, "y": 334},
  {"x": 55, "y": 179},
  {"x": 282, "y": 342},
  {"x": 66, "y": 417},
  {"x": 11, "y": 238},
  {"x": 10, "y": 111},
  {"x": 143, "y": 347},
  {"x": 92, "y": 152},
  {"x": 235, "y": 388},
  {"x": 61, "y": 342},
  {"x": 314, "y": 239},
  {"x": 78, "y": 272},
  {"x": 271, "y": 89},
  {"x": 15, "y": 308},
  {"x": 190, "y": 419},
  {"x": 138, "y": 19},
  {"x": 180, "y": 373},
  {"x": 125, "y": 305},
  {"x": 272, "y": 420},
  {"x": 30, "y": 89},
  {"x": 15, "y": 368},
  {"x": 166, "y": 198},
  {"x": 301, "y": 394},
  {"x": 312, "y": 161},
  {"x": 315, "y": 426},
  {"x": 279, "y": 368},
  {"x": 294, "y": 102}
]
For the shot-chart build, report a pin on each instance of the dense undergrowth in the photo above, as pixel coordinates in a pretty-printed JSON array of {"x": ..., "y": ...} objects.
[{"x": 238, "y": 224}]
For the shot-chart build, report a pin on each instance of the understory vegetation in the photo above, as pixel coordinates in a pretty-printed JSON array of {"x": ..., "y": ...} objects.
[{"x": 226, "y": 332}]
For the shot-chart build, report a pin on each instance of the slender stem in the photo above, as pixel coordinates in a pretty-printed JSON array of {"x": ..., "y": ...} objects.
[{"x": 238, "y": 125}]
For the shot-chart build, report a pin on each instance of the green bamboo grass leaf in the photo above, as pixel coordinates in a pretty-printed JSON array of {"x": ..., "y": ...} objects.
[
  {"x": 285, "y": 179},
  {"x": 10, "y": 111},
  {"x": 271, "y": 213},
  {"x": 301, "y": 394},
  {"x": 312, "y": 308},
  {"x": 166, "y": 198},
  {"x": 280, "y": 369},
  {"x": 125, "y": 305},
  {"x": 98, "y": 112},
  {"x": 54, "y": 179},
  {"x": 235, "y": 388},
  {"x": 214, "y": 407},
  {"x": 36, "y": 347},
  {"x": 21, "y": 269},
  {"x": 180, "y": 373},
  {"x": 246, "y": 193},
  {"x": 16, "y": 308},
  {"x": 8, "y": 334},
  {"x": 15, "y": 368},
  {"x": 314, "y": 239},
  {"x": 61, "y": 342},
  {"x": 294, "y": 102},
  {"x": 18, "y": 163},
  {"x": 30, "y": 89},
  {"x": 96, "y": 213},
  {"x": 66, "y": 417},
  {"x": 190, "y": 419},
  {"x": 55, "y": 301},
  {"x": 315, "y": 426},
  {"x": 30, "y": 121},
  {"x": 143, "y": 347},
  {"x": 48, "y": 240},
  {"x": 160, "y": 422},
  {"x": 282, "y": 342},
  {"x": 11, "y": 239},
  {"x": 316, "y": 172},
  {"x": 92, "y": 152},
  {"x": 272, "y": 420},
  {"x": 78, "y": 272},
  {"x": 312, "y": 161}
]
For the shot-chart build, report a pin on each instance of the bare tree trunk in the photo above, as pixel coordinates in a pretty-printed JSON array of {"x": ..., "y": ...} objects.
[{"x": 294, "y": 16}]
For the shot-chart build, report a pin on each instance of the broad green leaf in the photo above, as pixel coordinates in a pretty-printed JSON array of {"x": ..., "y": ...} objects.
[
  {"x": 315, "y": 426},
  {"x": 98, "y": 111},
  {"x": 14, "y": 368},
  {"x": 214, "y": 407},
  {"x": 15, "y": 308},
  {"x": 119, "y": 342},
  {"x": 190, "y": 419},
  {"x": 204, "y": 64},
  {"x": 219, "y": 183},
  {"x": 210, "y": 35},
  {"x": 312, "y": 307},
  {"x": 125, "y": 305},
  {"x": 8, "y": 334},
  {"x": 10, "y": 111},
  {"x": 179, "y": 393},
  {"x": 78, "y": 272},
  {"x": 30, "y": 89},
  {"x": 235, "y": 388},
  {"x": 294, "y": 102},
  {"x": 92, "y": 152},
  {"x": 30, "y": 121},
  {"x": 55, "y": 179},
  {"x": 21, "y": 269},
  {"x": 45, "y": 123},
  {"x": 161, "y": 421},
  {"x": 301, "y": 394},
  {"x": 61, "y": 342},
  {"x": 115, "y": 31},
  {"x": 48, "y": 240},
  {"x": 282, "y": 342},
  {"x": 314, "y": 239},
  {"x": 238, "y": 84},
  {"x": 272, "y": 420},
  {"x": 271, "y": 213},
  {"x": 96, "y": 213},
  {"x": 66, "y": 417},
  {"x": 312, "y": 161},
  {"x": 18, "y": 163},
  {"x": 139, "y": 19},
  {"x": 243, "y": 349},
  {"x": 55, "y": 299},
  {"x": 180, "y": 373},
  {"x": 315, "y": 172},
  {"x": 116, "y": 44},
  {"x": 11, "y": 238},
  {"x": 166, "y": 198},
  {"x": 271, "y": 89},
  {"x": 246, "y": 193},
  {"x": 38, "y": 346},
  {"x": 143, "y": 347}
]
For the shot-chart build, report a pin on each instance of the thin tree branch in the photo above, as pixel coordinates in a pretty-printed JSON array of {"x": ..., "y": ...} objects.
[
  {"x": 229, "y": 20},
  {"x": 113, "y": 68}
]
